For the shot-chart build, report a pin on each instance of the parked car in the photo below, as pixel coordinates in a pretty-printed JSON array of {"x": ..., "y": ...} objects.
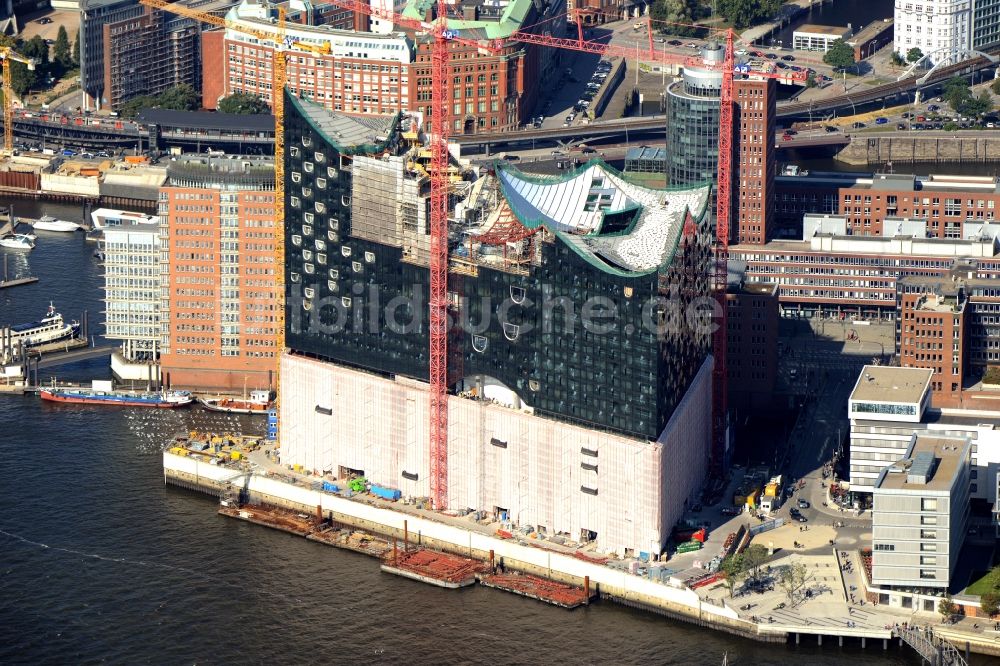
[
  {"x": 802, "y": 519},
  {"x": 901, "y": 126},
  {"x": 674, "y": 42},
  {"x": 788, "y": 58},
  {"x": 791, "y": 132},
  {"x": 770, "y": 56},
  {"x": 831, "y": 128},
  {"x": 857, "y": 124},
  {"x": 803, "y": 504},
  {"x": 787, "y": 137},
  {"x": 881, "y": 121},
  {"x": 921, "y": 118}
]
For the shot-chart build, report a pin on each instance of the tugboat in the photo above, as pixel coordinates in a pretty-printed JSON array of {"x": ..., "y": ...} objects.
[
  {"x": 51, "y": 328},
  {"x": 257, "y": 403},
  {"x": 101, "y": 393}
]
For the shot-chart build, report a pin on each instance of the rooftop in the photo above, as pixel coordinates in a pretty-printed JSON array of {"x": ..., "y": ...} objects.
[
  {"x": 203, "y": 120},
  {"x": 816, "y": 29},
  {"x": 931, "y": 464},
  {"x": 512, "y": 16},
  {"x": 618, "y": 226},
  {"x": 880, "y": 383},
  {"x": 350, "y": 134},
  {"x": 938, "y": 182}
]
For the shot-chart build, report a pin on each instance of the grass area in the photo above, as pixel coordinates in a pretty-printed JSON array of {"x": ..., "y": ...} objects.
[
  {"x": 992, "y": 375},
  {"x": 988, "y": 581}
]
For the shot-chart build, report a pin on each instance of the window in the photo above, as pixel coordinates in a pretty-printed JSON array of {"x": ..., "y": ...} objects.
[
  {"x": 928, "y": 574},
  {"x": 345, "y": 301},
  {"x": 928, "y": 520},
  {"x": 928, "y": 560},
  {"x": 356, "y": 266},
  {"x": 928, "y": 504},
  {"x": 345, "y": 250},
  {"x": 510, "y": 331},
  {"x": 370, "y": 257},
  {"x": 928, "y": 547},
  {"x": 928, "y": 534},
  {"x": 479, "y": 343},
  {"x": 885, "y": 546}
]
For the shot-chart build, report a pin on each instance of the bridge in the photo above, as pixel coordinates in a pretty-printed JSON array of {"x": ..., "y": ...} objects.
[
  {"x": 932, "y": 649},
  {"x": 52, "y": 360}
]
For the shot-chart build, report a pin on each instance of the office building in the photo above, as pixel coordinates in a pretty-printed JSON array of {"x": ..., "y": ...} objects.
[
  {"x": 693, "y": 141},
  {"x": 132, "y": 298},
  {"x": 920, "y": 514},
  {"x": 752, "y": 324},
  {"x": 388, "y": 72},
  {"x": 936, "y": 28},
  {"x": 594, "y": 434},
  {"x": 812, "y": 37},
  {"x": 219, "y": 304}
]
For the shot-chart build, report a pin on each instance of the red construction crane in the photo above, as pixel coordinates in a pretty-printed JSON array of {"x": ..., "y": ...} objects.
[{"x": 440, "y": 104}]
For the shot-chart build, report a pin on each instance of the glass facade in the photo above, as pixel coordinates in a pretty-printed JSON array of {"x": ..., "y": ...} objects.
[
  {"x": 692, "y": 131},
  {"x": 364, "y": 305}
]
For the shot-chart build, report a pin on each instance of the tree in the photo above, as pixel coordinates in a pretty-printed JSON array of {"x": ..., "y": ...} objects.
[
  {"x": 977, "y": 106},
  {"x": 811, "y": 80},
  {"x": 61, "y": 50},
  {"x": 990, "y": 603},
  {"x": 947, "y": 608},
  {"x": 914, "y": 54},
  {"x": 76, "y": 49},
  {"x": 36, "y": 48},
  {"x": 243, "y": 103},
  {"x": 673, "y": 12},
  {"x": 732, "y": 566},
  {"x": 753, "y": 559},
  {"x": 840, "y": 55},
  {"x": 745, "y": 13},
  {"x": 21, "y": 78},
  {"x": 181, "y": 97},
  {"x": 995, "y": 87},
  {"x": 793, "y": 578},
  {"x": 897, "y": 59},
  {"x": 956, "y": 92}
]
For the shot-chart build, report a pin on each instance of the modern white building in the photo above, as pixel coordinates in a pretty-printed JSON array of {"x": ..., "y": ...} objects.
[
  {"x": 920, "y": 513},
  {"x": 812, "y": 37},
  {"x": 936, "y": 27},
  {"x": 132, "y": 297},
  {"x": 624, "y": 493}
]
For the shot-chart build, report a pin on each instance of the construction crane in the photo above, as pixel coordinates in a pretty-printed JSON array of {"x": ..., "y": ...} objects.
[
  {"x": 8, "y": 54},
  {"x": 280, "y": 48}
]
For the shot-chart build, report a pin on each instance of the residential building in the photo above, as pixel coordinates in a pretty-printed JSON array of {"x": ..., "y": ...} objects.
[
  {"x": 132, "y": 298},
  {"x": 812, "y": 37},
  {"x": 94, "y": 15},
  {"x": 595, "y": 434},
  {"x": 985, "y": 24},
  {"x": 920, "y": 514},
  {"x": 219, "y": 304},
  {"x": 936, "y": 28}
]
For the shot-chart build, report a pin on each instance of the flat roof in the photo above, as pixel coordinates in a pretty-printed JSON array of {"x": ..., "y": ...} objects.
[
  {"x": 882, "y": 383},
  {"x": 816, "y": 29},
  {"x": 948, "y": 454}
]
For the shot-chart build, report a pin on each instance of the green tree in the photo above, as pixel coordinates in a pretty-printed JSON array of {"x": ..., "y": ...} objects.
[
  {"x": 947, "y": 608},
  {"x": 673, "y": 12},
  {"x": 793, "y": 578},
  {"x": 61, "y": 50},
  {"x": 995, "y": 87},
  {"x": 990, "y": 603},
  {"x": 243, "y": 103},
  {"x": 811, "y": 80},
  {"x": 753, "y": 559},
  {"x": 22, "y": 79},
  {"x": 76, "y": 49},
  {"x": 181, "y": 97},
  {"x": 36, "y": 48},
  {"x": 745, "y": 13},
  {"x": 914, "y": 54},
  {"x": 897, "y": 59},
  {"x": 732, "y": 566},
  {"x": 840, "y": 55},
  {"x": 974, "y": 107},
  {"x": 956, "y": 92}
]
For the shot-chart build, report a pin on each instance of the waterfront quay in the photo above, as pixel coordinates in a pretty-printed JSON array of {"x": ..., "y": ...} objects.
[{"x": 369, "y": 525}]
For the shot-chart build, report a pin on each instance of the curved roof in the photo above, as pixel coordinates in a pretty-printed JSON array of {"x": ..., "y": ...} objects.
[{"x": 575, "y": 206}]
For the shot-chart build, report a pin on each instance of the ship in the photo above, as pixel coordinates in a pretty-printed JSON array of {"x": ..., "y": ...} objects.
[
  {"x": 100, "y": 396},
  {"x": 49, "y": 223},
  {"x": 18, "y": 242},
  {"x": 103, "y": 218},
  {"x": 257, "y": 403},
  {"x": 50, "y": 328}
]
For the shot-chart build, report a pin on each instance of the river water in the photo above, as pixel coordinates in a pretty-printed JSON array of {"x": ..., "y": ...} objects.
[
  {"x": 100, "y": 563},
  {"x": 856, "y": 13}
]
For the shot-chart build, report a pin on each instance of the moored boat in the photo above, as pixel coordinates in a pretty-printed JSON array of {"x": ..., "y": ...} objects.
[
  {"x": 49, "y": 223},
  {"x": 18, "y": 242},
  {"x": 91, "y": 396},
  {"x": 257, "y": 403},
  {"x": 50, "y": 328}
]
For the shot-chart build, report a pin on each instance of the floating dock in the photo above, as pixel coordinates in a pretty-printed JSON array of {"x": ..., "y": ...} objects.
[
  {"x": 533, "y": 587},
  {"x": 17, "y": 282},
  {"x": 268, "y": 516},
  {"x": 355, "y": 540},
  {"x": 434, "y": 568}
]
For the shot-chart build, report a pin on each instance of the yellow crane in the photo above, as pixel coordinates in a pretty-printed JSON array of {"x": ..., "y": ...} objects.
[
  {"x": 280, "y": 47},
  {"x": 8, "y": 54}
]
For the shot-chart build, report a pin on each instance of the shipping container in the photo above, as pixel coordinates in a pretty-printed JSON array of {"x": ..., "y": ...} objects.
[
  {"x": 330, "y": 487},
  {"x": 689, "y": 547},
  {"x": 386, "y": 493}
]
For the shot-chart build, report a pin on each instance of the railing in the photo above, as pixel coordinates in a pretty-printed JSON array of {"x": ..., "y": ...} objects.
[{"x": 932, "y": 649}]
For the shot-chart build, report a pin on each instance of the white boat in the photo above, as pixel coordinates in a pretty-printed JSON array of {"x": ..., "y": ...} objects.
[
  {"x": 103, "y": 218},
  {"x": 49, "y": 328},
  {"x": 49, "y": 223},
  {"x": 18, "y": 242},
  {"x": 257, "y": 403}
]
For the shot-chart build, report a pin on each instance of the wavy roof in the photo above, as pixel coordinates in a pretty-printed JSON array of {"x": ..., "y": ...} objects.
[{"x": 576, "y": 205}]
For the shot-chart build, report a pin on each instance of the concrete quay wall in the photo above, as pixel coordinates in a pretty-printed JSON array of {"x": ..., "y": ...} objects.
[
  {"x": 611, "y": 584},
  {"x": 874, "y": 149}
]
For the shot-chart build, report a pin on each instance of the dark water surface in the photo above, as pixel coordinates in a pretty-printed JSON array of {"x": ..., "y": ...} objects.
[{"x": 100, "y": 563}]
